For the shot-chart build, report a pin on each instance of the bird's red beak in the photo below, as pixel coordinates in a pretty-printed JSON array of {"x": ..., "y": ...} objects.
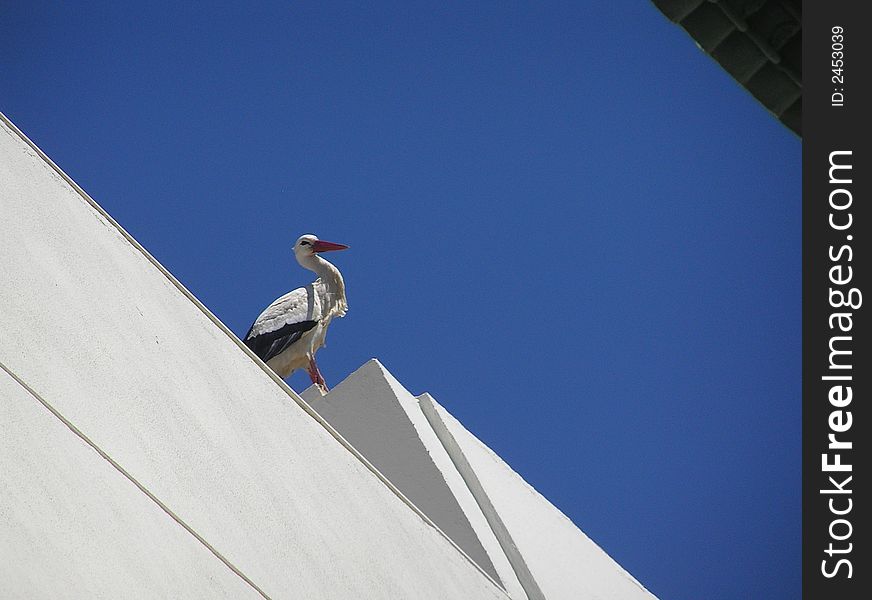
[{"x": 324, "y": 246}]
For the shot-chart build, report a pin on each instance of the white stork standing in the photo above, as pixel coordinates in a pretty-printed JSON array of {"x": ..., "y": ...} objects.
[{"x": 289, "y": 331}]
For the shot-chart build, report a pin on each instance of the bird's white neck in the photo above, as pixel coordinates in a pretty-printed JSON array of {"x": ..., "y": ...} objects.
[{"x": 334, "y": 285}]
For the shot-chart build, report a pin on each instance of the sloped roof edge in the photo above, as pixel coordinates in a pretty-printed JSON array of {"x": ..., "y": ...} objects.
[{"x": 758, "y": 42}]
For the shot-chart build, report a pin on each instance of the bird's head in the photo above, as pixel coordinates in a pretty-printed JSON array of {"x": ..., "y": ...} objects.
[{"x": 309, "y": 245}]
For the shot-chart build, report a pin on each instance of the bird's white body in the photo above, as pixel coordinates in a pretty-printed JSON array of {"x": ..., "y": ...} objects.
[
  {"x": 314, "y": 302},
  {"x": 289, "y": 332}
]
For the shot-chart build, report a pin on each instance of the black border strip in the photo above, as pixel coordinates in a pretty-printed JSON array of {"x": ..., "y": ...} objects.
[{"x": 836, "y": 367}]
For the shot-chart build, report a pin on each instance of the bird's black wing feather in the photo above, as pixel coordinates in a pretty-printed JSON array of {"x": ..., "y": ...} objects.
[{"x": 272, "y": 343}]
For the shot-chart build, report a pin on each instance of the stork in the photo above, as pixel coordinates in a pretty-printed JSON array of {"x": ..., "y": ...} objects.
[{"x": 289, "y": 332}]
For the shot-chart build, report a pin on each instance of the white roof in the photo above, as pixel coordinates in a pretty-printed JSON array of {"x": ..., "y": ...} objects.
[
  {"x": 145, "y": 452},
  {"x": 533, "y": 549},
  {"x": 104, "y": 336}
]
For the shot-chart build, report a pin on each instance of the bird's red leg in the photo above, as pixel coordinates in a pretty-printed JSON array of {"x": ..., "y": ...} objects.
[
  {"x": 315, "y": 375},
  {"x": 312, "y": 370},
  {"x": 321, "y": 381}
]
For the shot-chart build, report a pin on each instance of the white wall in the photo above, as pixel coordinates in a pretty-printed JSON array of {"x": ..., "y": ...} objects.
[
  {"x": 536, "y": 551},
  {"x": 71, "y": 527},
  {"x": 382, "y": 420},
  {"x": 565, "y": 563},
  {"x": 145, "y": 453},
  {"x": 109, "y": 342}
]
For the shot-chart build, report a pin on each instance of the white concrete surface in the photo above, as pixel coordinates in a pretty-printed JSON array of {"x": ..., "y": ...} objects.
[
  {"x": 565, "y": 563},
  {"x": 384, "y": 421},
  {"x": 536, "y": 551},
  {"x": 106, "y": 338},
  {"x": 374, "y": 412},
  {"x": 492, "y": 520},
  {"x": 67, "y": 520}
]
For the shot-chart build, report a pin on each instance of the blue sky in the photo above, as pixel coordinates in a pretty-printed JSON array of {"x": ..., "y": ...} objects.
[{"x": 567, "y": 224}]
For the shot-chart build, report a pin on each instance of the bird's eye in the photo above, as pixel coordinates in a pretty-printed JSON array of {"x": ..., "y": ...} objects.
[{"x": 304, "y": 243}]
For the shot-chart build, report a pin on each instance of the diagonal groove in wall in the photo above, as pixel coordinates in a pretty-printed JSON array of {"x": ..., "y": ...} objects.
[{"x": 132, "y": 479}]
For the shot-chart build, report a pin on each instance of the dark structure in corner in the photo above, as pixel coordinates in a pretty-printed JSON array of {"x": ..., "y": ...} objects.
[{"x": 758, "y": 42}]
